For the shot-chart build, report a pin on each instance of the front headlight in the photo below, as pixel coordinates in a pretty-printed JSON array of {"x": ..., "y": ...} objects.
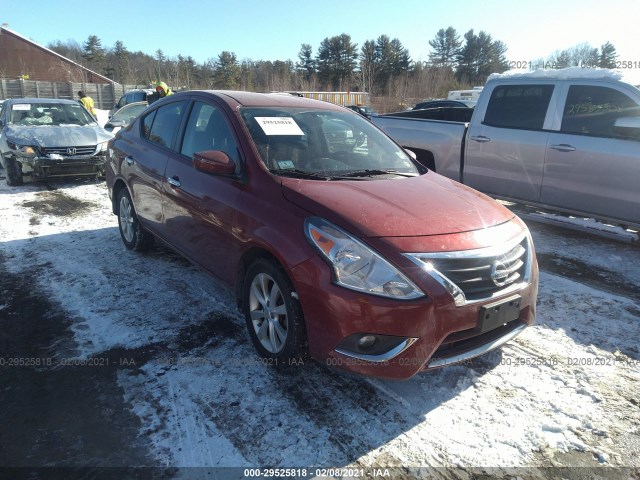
[
  {"x": 355, "y": 265},
  {"x": 22, "y": 150},
  {"x": 102, "y": 147}
]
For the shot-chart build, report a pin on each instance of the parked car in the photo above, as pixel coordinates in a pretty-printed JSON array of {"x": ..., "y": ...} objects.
[
  {"x": 439, "y": 104},
  {"x": 132, "y": 96},
  {"x": 566, "y": 140},
  {"x": 125, "y": 116},
  {"x": 45, "y": 138},
  {"x": 356, "y": 256},
  {"x": 363, "y": 110}
]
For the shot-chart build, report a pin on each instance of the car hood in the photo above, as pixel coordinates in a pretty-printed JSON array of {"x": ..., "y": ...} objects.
[
  {"x": 57, "y": 135},
  {"x": 426, "y": 205}
]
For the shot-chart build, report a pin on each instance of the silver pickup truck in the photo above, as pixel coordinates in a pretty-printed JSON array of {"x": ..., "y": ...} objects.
[{"x": 568, "y": 140}]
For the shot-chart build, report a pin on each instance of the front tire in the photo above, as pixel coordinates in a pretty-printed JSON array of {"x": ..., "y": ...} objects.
[
  {"x": 133, "y": 235},
  {"x": 274, "y": 317},
  {"x": 14, "y": 172}
]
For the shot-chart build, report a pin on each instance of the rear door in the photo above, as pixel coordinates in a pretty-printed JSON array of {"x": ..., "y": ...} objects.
[
  {"x": 592, "y": 166},
  {"x": 145, "y": 161},
  {"x": 505, "y": 150}
]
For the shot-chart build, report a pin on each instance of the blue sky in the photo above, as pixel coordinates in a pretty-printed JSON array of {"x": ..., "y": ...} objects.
[{"x": 272, "y": 30}]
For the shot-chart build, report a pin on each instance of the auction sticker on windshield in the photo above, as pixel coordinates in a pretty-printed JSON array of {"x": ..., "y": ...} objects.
[
  {"x": 21, "y": 106},
  {"x": 279, "y": 126}
]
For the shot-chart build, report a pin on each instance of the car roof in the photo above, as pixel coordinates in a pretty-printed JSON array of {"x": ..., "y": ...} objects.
[{"x": 251, "y": 99}]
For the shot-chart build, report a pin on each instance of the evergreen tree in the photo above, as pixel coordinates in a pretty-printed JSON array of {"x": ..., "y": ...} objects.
[
  {"x": 445, "y": 45},
  {"x": 368, "y": 66},
  {"x": 306, "y": 64},
  {"x": 92, "y": 52},
  {"x": 226, "y": 71},
  {"x": 479, "y": 57},
  {"x": 336, "y": 61},
  {"x": 121, "y": 56},
  {"x": 608, "y": 56}
]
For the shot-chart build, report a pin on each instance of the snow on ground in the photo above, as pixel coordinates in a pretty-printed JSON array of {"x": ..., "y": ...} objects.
[{"x": 562, "y": 393}]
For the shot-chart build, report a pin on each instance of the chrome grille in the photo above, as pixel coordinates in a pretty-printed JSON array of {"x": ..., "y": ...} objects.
[
  {"x": 479, "y": 274},
  {"x": 70, "y": 151}
]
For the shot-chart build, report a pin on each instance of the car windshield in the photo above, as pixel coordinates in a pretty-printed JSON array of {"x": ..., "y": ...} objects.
[
  {"x": 50, "y": 114},
  {"x": 128, "y": 114},
  {"x": 317, "y": 143}
]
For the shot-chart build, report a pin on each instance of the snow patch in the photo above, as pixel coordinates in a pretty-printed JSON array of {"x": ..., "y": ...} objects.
[{"x": 562, "y": 74}]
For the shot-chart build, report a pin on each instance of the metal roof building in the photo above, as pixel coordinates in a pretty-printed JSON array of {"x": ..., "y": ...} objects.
[{"x": 24, "y": 58}]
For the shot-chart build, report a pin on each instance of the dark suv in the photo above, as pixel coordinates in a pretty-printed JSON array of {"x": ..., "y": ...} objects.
[{"x": 131, "y": 97}]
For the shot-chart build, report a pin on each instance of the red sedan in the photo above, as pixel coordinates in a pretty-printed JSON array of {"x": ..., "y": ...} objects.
[{"x": 339, "y": 245}]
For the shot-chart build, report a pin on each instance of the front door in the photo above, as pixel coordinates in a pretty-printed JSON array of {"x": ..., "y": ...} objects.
[
  {"x": 199, "y": 207},
  {"x": 593, "y": 166}
]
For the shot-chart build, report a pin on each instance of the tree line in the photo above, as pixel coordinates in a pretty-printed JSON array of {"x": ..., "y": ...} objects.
[{"x": 381, "y": 66}]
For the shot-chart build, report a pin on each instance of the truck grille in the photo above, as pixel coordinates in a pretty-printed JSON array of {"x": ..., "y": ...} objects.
[
  {"x": 480, "y": 274},
  {"x": 70, "y": 151}
]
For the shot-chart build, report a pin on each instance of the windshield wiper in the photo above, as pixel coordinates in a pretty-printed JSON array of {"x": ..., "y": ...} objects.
[
  {"x": 374, "y": 172},
  {"x": 293, "y": 172}
]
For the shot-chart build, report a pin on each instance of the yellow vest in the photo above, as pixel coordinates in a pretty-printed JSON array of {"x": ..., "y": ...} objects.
[{"x": 88, "y": 104}]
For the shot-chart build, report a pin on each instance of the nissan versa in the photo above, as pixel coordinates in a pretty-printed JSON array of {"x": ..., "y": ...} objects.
[{"x": 339, "y": 245}]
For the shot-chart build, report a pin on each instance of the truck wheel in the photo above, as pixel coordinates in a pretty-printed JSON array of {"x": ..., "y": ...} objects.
[
  {"x": 14, "y": 172},
  {"x": 274, "y": 317},
  {"x": 134, "y": 236}
]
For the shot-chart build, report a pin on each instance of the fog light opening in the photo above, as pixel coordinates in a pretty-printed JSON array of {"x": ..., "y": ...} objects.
[{"x": 366, "y": 341}]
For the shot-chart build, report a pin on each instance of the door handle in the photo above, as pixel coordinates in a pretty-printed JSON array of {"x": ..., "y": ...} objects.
[
  {"x": 174, "y": 181},
  {"x": 129, "y": 160},
  {"x": 563, "y": 147},
  {"x": 480, "y": 139}
]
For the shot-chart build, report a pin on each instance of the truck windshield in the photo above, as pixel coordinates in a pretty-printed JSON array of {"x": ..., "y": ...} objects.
[{"x": 331, "y": 144}]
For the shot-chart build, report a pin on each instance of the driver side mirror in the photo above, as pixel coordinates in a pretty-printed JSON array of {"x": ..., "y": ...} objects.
[
  {"x": 214, "y": 162},
  {"x": 628, "y": 127},
  {"x": 411, "y": 153}
]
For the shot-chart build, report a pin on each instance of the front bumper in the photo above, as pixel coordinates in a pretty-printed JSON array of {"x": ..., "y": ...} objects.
[
  {"x": 416, "y": 335},
  {"x": 47, "y": 167}
]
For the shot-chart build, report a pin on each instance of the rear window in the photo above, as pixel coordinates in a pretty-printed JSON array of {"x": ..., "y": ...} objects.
[
  {"x": 518, "y": 106},
  {"x": 161, "y": 125}
]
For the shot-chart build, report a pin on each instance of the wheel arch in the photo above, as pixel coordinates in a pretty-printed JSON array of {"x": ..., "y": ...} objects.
[
  {"x": 117, "y": 187},
  {"x": 246, "y": 259}
]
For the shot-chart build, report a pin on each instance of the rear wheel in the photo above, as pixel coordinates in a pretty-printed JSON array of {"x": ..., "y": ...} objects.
[
  {"x": 134, "y": 236},
  {"x": 14, "y": 172},
  {"x": 273, "y": 316}
]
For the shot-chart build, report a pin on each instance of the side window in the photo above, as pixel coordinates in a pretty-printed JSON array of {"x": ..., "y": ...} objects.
[
  {"x": 164, "y": 124},
  {"x": 147, "y": 121},
  {"x": 518, "y": 106},
  {"x": 136, "y": 97},
  {"x": 592, "y": 110},
  {"x": 207, "y": 129}
]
